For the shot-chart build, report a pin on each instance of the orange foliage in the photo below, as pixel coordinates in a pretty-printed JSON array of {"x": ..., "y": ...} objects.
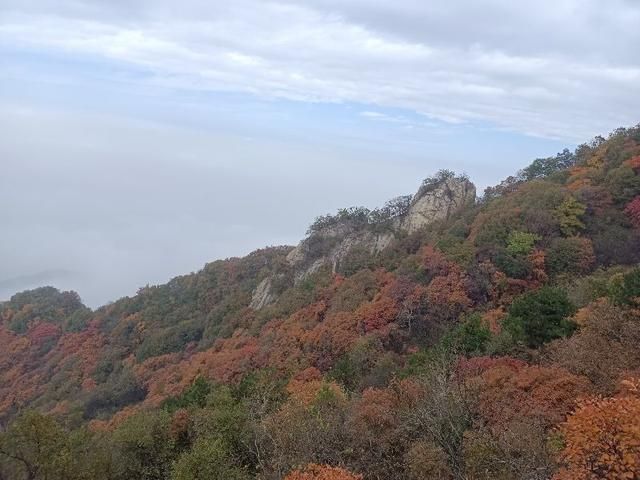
[
  {"x": 281, "y": 342},
  {"x": 228, "y": 361},
  {"x": 634, "y": 162},
  {"x": 307, "y": 392},
  {"x": 374, "y": 316},
  {"x": 578, "y": 171},
  {"x": 579, "y": 178},
  {"x": 375, "y": 412},
  {"x": 493, "y": 319},
  {"x": 61, "y": 408},
  {"x": 83, "y": 346},
  {"x": 449, "y": 290},
  {"x": 384, "y": 308},
  {"x": 578, "y": 184},
  {"x": 511, "y": 390},
  {"x": 448, "y": 286},
  {"x": 602, "y": 438},
  {"x": 322, "y": 472},
  {"x": 376, "y": 416},
  {"x": 538, "y": 273},
  {"x": 24, "y": 371},
  {"x": 434, "y": 261},
  {"x": 585, "y": 314},
  {"x": 310, "y": 337},
  {"x": 582, "y": 316},
  {"x": 329, "y": 340}
]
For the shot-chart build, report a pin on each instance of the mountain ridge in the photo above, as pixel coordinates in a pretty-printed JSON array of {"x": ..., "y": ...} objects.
[{"x": 516, "y": 293}]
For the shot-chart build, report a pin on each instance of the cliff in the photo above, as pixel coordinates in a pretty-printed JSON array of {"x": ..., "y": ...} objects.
[{"x": 334, "y": 240}]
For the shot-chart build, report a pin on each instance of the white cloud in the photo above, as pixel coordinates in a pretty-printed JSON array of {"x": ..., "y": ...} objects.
[
  {"x": 566, "y": 69},
  {"x": 374, "y": 115}
]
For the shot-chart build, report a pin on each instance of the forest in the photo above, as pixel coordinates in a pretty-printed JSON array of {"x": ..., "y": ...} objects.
[{"x": 500, "y": 343}]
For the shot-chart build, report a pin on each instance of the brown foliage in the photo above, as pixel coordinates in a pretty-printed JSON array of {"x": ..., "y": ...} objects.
[
  {"x": 605, "y": 347},
  {"x": 426, "y": 460},
  {"x": 521, "y": 451},
  {"x": 476, "y": 366},
  {"x": 322, "y": 472},
  {"x": 308, "y": 428},
  {"x": 509, "y": 392},
  {"x": 493, "y": 319},
  {"x": 307, "y": 392}
]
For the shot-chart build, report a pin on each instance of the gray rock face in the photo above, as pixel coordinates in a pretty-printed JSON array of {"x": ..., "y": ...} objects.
[
  {"x": 332, "y": 246},
  {"x": 437, "y": 202},
  {"x": 262, "y": 295},
  {"x": 305, "y": 260}
]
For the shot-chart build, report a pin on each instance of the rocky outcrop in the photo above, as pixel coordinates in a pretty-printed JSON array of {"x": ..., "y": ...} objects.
[
  {"x": 437, "y": 201},
  {"x": 334, "y": 244},
  {"x": 333, "y": 250},
  {"x": 263, "y": 294}
]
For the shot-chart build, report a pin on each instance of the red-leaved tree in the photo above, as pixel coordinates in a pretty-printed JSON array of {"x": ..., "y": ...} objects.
[{"x": 633, "y": 210}]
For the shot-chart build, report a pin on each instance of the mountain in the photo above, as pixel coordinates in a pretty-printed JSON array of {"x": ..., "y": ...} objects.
[{"x": 439, "y": 336}]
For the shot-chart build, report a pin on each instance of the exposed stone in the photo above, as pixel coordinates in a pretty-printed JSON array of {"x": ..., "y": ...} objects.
[
  {"x": 370, "y": 242},
  {"x": 262, "y": 295},
  {"x": 330, "y": 246},
  {"x": 437, "y": 202}
]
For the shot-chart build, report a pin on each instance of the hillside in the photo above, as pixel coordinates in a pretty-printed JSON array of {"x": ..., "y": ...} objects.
[{"x": 439, "y": 336}]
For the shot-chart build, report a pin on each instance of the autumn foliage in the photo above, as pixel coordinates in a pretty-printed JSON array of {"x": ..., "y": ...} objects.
[
  {"x": 602, "y": 437},
  {"x": 489, "y": 345},
  {"x": 322, "y": 472},
  {"x": 509, "y": 389},
  {"x": 633, "y": 210}
]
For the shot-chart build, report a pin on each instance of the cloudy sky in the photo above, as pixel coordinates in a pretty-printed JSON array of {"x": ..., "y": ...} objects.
[{"x": 140, "y": 139}]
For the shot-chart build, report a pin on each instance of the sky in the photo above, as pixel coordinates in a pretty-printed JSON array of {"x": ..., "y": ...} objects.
[{"x": 140, "y": 139}]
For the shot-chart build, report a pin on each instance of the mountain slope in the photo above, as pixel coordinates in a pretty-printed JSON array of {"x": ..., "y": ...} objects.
[{"x": 516, "y": 286}]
